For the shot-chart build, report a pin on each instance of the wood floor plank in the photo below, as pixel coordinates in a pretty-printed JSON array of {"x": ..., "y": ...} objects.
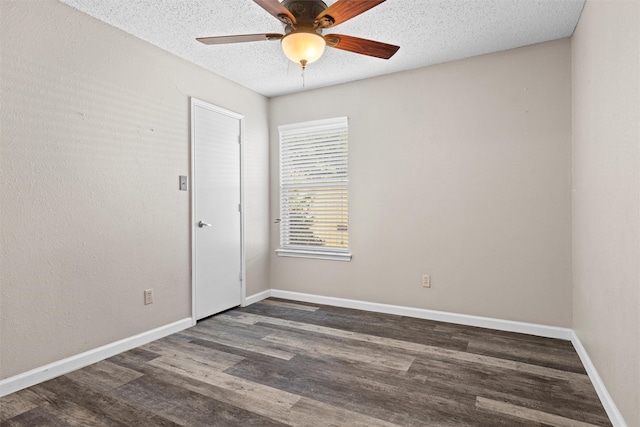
[
  {"x": 188, "y": 367},
  {"x": 212, "y": 325},
  {"x": 209, "y": 358},
  {"x": 540, "y": 393},
  {"x": 262, "y": 400},
  {"x": 553, "y": 353},
  {"x": 37, "y": 417},
  {"x": 106, "y": 407},
  {"x": 289, "y": 305},
  {"x": 342, "y": 349},
  {"x": 529, "y": 353},
  {"x": 134, "y": 359},
  {"x": 256, "y": 346},
  {"x": 529, "y": 414},
  {"x": 229, "y": 385},
  {"x": 567, "y": 407},
  {"x": 311, "y": 413},
  {"x": 75, "y": 415},
  {"x": 185, "y": 407},
  {"x": 18, "y": 403},
  {"x": 231, "y": 389},
  {"x": 104, "y": 375}
]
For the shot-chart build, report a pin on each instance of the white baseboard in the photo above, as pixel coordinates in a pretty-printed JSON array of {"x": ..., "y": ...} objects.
[
  {"x": 61, "y": 367},
  {"x": 256, "y": 297},
  {"x": 441, "y": 316},
  {"x": 607, "y": 402}
]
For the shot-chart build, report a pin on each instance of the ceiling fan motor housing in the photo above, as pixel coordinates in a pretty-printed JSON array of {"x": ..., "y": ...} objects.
[{"x": 305, "y": 12}]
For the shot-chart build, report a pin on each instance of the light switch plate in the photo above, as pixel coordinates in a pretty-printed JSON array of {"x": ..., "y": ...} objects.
[
  {"x": 426, "y": 281},
  {"x": 148, "y": 296},
  {"x": 184, "y": 183}
]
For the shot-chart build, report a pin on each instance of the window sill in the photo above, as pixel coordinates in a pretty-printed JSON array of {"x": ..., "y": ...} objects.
[{"x": 296, "y": 253}]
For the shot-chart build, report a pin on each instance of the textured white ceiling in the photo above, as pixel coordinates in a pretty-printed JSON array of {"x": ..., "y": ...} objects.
[{"x": 427, "y": 31}]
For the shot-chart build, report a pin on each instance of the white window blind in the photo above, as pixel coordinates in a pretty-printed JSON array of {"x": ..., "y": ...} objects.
[{"x": 314, "y": 189}]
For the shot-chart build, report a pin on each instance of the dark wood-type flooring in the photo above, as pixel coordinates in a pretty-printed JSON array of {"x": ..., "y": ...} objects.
[{"x": 280, "y": 363}]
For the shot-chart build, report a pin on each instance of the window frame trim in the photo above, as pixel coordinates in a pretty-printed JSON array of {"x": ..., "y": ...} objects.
[{"x": 300, "y": 253}]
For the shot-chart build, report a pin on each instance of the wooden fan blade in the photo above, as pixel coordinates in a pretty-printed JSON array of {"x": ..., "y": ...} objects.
[
  {"x": 343, "y": 10},
  {"x": 239, "y": 38},
  {"x": 361, "y": 46},
  {"x": 276, "y": 8}
]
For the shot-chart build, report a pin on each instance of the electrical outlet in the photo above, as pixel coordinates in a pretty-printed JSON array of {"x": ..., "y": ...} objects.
[
  {"x": 426, "y": 281},
  {"x": 148, "y": 296}
]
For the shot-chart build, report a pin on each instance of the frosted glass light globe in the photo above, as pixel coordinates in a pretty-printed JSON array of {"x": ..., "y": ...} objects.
[{"x": 303, "y": 47}]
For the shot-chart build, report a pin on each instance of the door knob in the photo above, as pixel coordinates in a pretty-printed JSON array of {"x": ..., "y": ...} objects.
[{"x": 203, "y": 224}]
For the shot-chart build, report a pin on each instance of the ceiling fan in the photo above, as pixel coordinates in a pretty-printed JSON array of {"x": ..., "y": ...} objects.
[{"x": 304, "y": 20}]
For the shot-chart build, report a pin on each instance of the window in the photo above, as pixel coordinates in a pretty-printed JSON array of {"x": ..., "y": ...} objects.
[{"x": 314, "y": 190}]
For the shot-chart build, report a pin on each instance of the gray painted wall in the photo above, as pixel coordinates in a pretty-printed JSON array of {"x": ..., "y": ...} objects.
[{"x": 606, "y": 190}]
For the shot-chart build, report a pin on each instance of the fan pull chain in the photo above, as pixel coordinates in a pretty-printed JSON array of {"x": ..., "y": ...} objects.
[{"x": 303, "y": 62}]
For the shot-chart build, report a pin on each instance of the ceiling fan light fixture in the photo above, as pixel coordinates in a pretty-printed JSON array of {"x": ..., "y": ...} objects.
[{"x": 303, "y": 47}]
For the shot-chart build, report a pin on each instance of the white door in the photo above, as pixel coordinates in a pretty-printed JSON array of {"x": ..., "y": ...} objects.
[{"x": 217, "y": 219}]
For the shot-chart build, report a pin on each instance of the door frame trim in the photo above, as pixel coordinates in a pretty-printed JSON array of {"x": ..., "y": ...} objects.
[{"x": 194, "y": 102}]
